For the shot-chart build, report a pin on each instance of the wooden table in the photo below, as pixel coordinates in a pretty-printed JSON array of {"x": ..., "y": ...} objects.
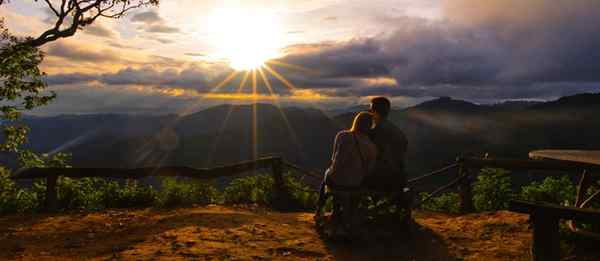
[{"x": 580, "y": 156}]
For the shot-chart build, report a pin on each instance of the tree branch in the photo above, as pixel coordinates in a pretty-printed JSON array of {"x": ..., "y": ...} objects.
[
  {"x": 52, "y": 7},
  {"x": 83, "y": 13}
]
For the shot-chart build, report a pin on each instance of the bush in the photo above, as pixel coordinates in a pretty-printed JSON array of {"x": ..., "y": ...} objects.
[
  {"x": 260, "y": 189},
  {"x": 250, "y": 189},
  {"x": 301, "y": 195},
  {"x": 79, "y": 193},
  {"x": 117, "y": 196},
  {"x": 447, "y": 202},
  {"x": 177, "y": 193},
  {"x": 557, "y": 190},
  {"x": 492, "y": 190},
  {"x": 14, "y": 199}
]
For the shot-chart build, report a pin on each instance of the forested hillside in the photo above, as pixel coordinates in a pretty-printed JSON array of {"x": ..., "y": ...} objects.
[{"x": 438, "y": 131}]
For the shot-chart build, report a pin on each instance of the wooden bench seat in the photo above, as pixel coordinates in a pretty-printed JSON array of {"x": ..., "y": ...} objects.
[
  {"x": 346, "y": 200},
  {"x": 545, "y": 218}
]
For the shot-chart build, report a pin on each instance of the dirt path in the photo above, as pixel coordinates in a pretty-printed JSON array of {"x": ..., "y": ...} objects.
[{"x": 225, "y": 233}]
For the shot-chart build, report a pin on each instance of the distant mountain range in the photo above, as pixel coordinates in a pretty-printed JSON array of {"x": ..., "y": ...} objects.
[{"x": 438, "y": 131}]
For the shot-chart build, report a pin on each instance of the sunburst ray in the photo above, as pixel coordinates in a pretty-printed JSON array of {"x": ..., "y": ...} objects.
[
  {"x": 286, "y": 121},
  {"x": 280, "y": 77},
  {"x": 254, "y": 118},
  {"x": 292, "y": 66}
]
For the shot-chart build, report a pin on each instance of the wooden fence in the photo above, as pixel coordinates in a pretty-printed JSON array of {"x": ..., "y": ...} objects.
[
  {"x": 468, "y": 168},
  {"x": 545, "y": 217},
  {"x": 51, "y": 175}
]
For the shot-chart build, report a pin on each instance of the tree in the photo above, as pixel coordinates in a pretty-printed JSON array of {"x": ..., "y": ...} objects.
[{"x": 22, "y": 85}]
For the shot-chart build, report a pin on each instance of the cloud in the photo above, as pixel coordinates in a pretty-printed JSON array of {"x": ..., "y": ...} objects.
[
  {"x": 82, "y": 53},
  {"x": 98, "y": 29},
  {"x": 157, "y": 28},
  {"x": 71, "y": 78},
  {"x": 163, "y": 40},
  {"x": 154, "y": 23},
  {"x": 148, "y": 17},
  {"x": 479, "y": 49},
  {"x": 193, "y": 77},
  {"x": 356, "y": 58},
  {"x": 123, "y": 46},
  {"x": 195, "y": 54}
]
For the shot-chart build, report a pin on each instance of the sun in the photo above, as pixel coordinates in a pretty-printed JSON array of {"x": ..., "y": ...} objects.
[{"x": 246, "y": 39}]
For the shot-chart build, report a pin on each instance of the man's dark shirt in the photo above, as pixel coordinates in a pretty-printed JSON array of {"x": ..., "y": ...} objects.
[{"x": 391, "y": 147}]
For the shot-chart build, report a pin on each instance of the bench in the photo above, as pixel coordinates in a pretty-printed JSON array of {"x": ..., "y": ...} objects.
[
  {"x": 545, "y": 218},
  {"x": 346, "y": 202}
]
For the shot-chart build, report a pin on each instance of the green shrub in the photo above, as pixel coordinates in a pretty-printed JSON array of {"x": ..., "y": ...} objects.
[
  {"x": 447, "y": 202},
  {"x": 250, "y": 189},
  {"x": 186, "y": 193},
  {"x": 79, "y": 193},
  {"x": 301, "y": 195},
  {"x": 492, "y": 190},
  {"x": 118, "y": 196},
  {"x": 260, "y": 189},
  {"x": 14, "y": 199},
  {"x": 557, "y": 190}
]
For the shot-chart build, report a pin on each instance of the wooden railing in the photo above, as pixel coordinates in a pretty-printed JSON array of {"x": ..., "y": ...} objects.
[
  {"x": 469, "y": 166},
  {"x": 51, "y": 175}
]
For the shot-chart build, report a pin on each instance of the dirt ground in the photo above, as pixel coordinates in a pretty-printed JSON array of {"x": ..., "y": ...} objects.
[{"x": 251, "y": 233}]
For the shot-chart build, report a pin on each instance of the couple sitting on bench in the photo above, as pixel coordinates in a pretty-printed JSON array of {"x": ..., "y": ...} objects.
[{"x": 368, "y": 156}]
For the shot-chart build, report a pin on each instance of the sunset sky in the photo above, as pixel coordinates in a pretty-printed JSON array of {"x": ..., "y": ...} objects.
[{"x": 335, "y": 53}]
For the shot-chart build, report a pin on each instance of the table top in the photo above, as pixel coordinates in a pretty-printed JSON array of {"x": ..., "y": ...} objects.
[{"x": 581, "y": 156}]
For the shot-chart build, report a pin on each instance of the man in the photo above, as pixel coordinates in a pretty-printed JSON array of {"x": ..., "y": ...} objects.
[{"x": 391, "y": 147}]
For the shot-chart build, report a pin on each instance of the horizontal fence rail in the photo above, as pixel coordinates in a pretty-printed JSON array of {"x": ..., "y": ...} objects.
[
  {"x": 136, "y": 173},
  {"x": 51, "y": 175}
]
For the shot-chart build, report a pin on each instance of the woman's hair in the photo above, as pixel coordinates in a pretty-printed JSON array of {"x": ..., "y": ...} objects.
[{"x": 362, "y": 122}]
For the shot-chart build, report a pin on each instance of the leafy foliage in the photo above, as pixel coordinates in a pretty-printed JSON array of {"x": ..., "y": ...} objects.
[
  {"x": 114, "y": 195},
  {"x": 250, "y": 189},
  {"x": 557, "y": 190},
  {"x": 185, "y": 193},
  {"x": 260, "y": 189},
  {"x": 447, "y": 202},
  {"x": 301, "y": 195},
  {"x": 492, "y": 190},
  {"x": 22, "y": 86},
  {"x": 12, "y": 198}
]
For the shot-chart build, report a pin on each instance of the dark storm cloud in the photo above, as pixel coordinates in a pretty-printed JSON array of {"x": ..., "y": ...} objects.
[
  {"x": 356, "y": 58},
  {"x": 469, "y": 92},
  {"x": 482, "y": 48}
]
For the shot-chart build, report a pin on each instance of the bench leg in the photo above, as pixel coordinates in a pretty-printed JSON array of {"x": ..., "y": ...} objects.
[{"x": 546, "y": 241}]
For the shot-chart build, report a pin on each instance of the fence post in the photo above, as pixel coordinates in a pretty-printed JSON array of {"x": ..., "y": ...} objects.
[
  {"x": 466, "y": 198},
  {"x": 281, "y": 197},
  {"x": 51, "y": 195},
  {"x": 546, "y": 241}
]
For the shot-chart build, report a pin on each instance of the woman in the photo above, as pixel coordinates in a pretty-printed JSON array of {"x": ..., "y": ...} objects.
[{"x": 353, "y": 157}]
